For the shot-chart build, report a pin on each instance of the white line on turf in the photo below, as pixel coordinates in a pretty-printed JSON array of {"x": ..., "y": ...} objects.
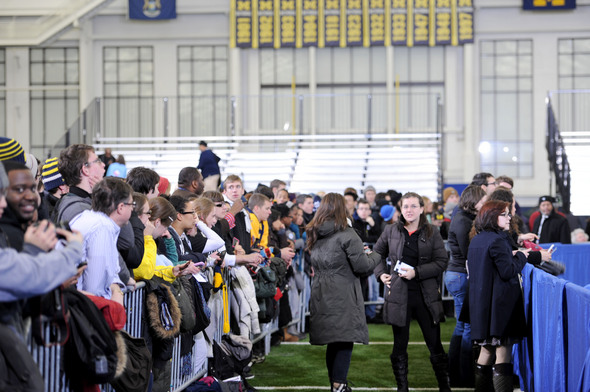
[
  {"x": 370, "y": 343},
  {"x": 316, "y": 388}
]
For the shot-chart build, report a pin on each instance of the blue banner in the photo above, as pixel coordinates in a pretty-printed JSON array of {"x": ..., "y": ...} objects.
[
  {"x": 548, "y": 4},
  {"x": 152, "y": 9}
]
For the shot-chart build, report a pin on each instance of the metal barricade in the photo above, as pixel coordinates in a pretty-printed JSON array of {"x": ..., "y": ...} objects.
[{"x": 49, "y": 358}]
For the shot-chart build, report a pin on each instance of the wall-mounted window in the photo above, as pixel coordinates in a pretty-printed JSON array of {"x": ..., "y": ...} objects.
[
  {"x": 203, "y": 103},
  {"x": 574, "y": 73},
  {"x": 506, "y": 85},
  {"x": 54, "y": 79},
  {"x": 421, "y": 74},
  {"x": 128, "y": 90},
  {"x": 280, "y": 71},
  {"x": 345, "y": 79}
]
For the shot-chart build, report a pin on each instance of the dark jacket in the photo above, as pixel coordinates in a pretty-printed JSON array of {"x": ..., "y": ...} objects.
[
  {"x": 130, "y": 242},
  {"x": 208, "y": 163},
  {"x": 13, "y": 229},
  {"x": 222, "y": 229},
  {"x": 49, "y": 202},
  {"x": 555, "y": 229},
  {"x": 71, "y": 204},
  {"x": 239, "y": 231},
  {"x": 433, "y": 261},
  {"x": 494, "y": 288},
  {"x": 369, "y": 234},
  {"x": 459, "y": 240},
  {"x": 336, "y": 304}
]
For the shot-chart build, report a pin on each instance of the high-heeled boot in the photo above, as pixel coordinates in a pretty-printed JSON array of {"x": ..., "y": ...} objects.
[
  {"x": 399, "y": 364},
  {"x": 502, "y": 377},
  {"x": 440, "y": 365},
  {"x": 483, "y": 378}
]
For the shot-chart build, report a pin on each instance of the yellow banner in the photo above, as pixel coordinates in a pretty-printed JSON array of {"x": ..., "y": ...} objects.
[{"x": 345, "y": 23}]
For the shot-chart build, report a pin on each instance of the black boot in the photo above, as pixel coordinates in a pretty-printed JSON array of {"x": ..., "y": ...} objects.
[
  {"x": 399, "y": 364},
  {"x": 502, "y": 378},
  {"x": 455, "y": 361},
  {"x": 440, "y": 364},
  {"x": 483, "y": 378},
  {"x": 341, "y": 388}
]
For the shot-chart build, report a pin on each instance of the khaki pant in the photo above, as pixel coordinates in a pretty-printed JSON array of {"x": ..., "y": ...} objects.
[{"x": 211, "y": 182}]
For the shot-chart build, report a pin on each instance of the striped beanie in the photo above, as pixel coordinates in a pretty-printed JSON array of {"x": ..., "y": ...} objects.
[
  {"x": 50, "y": 175},
  {"x": 11, "y": 150}
]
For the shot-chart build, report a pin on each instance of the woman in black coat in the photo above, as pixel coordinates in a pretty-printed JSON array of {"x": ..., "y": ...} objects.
[
  {"x": 336, "y": 304},
  {"x": 460, "y": 356},
  {"x": 495, "y": 298},
  {"x": 413, "y": 290}
]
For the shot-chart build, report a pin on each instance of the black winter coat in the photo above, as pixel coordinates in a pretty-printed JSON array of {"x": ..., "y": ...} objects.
[
  {"x": 555, "y": 229},
  {"x": 459, "y": 240},
  {"x": 337, "y": 304},
  {"x": 432, "y": 262},
  {"x": 495, "y": 297}
]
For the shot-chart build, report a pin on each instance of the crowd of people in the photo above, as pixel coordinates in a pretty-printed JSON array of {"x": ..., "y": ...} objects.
[{"x": 69, "y": 223}]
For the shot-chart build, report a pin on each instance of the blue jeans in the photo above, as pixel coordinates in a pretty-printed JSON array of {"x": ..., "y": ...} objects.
[{"x": 460, "y": 354}]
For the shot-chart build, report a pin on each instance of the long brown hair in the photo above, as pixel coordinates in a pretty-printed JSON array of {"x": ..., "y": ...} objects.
[
  {"x": 423, "y": 222},
  {"x": 487, "y": 217},
  {"x": 332, "y": 208}
]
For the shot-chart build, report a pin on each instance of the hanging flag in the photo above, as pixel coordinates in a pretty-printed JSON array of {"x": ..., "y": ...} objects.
[
  {"x": 152, "y": 9},
  {"x": 548, "y": 4}
]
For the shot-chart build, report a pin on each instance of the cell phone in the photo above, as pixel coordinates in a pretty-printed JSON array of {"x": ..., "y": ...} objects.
[
  {"x": 235, "y": 242},
  {"x": 184, "y": 266},
  {"x": 551, "y": 248},
  {"x": 83, "y": 264}
]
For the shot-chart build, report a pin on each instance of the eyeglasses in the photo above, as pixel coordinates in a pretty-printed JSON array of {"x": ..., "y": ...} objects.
[
  {"x": 131, "y": 204},
  {"x": 189, "y": 213},
  {"x": 506, "y": 215},
  {"x": 148, "y": 213},
  {"x": 97, "y": 160},
  {"x": 491, "y": 183},
  {"x": 218, "y": 204}
]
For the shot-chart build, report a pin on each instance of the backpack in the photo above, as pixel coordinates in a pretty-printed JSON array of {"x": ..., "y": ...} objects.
[
  {"x": 136, "y": 377},
  {"x": 265, "y": 282},
  {"x": 185, "y": 302},
  {"x": 91, "y": 350},
  {"x": 18, "y": 371}
]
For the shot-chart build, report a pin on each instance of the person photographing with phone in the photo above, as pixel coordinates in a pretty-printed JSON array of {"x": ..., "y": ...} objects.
[{"x": 418, "y": 258}]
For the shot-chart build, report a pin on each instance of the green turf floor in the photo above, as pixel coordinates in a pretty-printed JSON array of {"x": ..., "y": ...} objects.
[{"x": 292, "y": 366}]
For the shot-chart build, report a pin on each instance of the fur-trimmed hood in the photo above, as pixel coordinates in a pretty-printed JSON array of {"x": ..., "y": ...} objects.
[{"x": 155, "y": 301}]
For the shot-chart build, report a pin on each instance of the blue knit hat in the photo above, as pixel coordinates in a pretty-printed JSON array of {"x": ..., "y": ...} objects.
[
  {"x": 50, "y": 175},
  {"x": 387, "y": 212},
  {"x": 11, "y": 150}
]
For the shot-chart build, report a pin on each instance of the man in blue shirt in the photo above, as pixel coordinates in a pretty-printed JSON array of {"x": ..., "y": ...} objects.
[{"x": 208, "y": 164}]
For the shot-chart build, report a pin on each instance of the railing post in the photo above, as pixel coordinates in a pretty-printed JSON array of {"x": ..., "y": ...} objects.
[
  {"x": 165, "y": 116},
  {"x": 369, "y": 113},
  {"x": 98, "y": 117},
  {"x": 439, "y": 131},
  {"x": 232, "y": 116},
  {"x": 300, "y": 99}
]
